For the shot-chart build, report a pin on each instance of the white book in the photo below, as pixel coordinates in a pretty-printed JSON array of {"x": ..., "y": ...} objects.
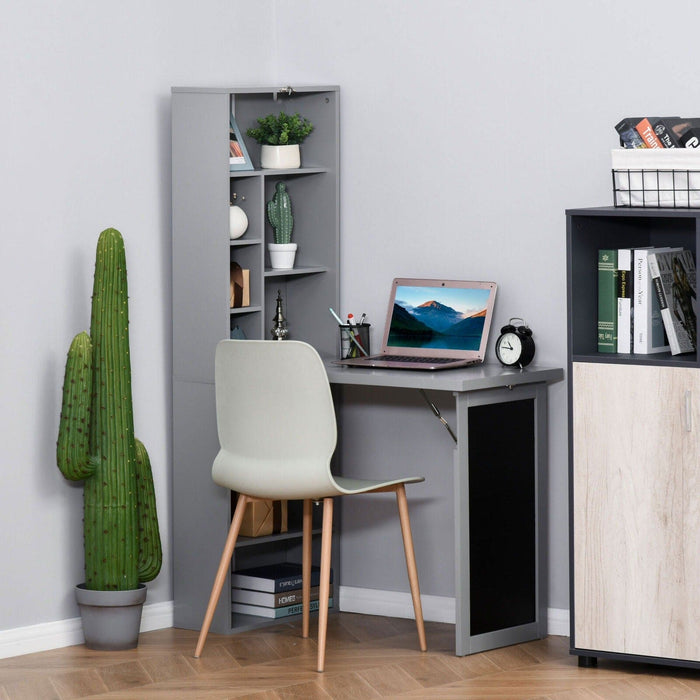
[{"x": 649, "y": 334}]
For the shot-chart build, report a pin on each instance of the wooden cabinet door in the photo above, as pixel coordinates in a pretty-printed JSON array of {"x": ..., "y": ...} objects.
[{"x": 636, "y": 519}]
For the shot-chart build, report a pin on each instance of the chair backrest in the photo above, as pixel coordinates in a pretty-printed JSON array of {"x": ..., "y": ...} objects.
[{"x": 275, "y": 419}]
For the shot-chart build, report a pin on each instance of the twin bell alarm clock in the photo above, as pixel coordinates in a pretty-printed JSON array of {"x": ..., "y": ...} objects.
[{"x": 515, "y": 346}]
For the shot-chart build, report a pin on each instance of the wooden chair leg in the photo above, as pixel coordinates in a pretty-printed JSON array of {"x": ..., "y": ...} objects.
[
  {"x": 324, "y": 584},
  {"x": 306, "y": 568},
  {"x": 224, "y": 565},
  {"x": 411, "y": 563}
]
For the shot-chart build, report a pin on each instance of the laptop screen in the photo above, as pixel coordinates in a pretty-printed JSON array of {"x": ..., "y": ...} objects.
[{"x": 440, "y": 315}]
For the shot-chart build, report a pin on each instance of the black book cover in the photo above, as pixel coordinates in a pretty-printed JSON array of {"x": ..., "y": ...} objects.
[
  {"x": 663, "y": 128},
  {"x": 629, "y": 138}
]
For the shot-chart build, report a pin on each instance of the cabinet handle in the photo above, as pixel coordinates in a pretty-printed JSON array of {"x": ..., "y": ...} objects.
[{"x": 688, "y": 410}]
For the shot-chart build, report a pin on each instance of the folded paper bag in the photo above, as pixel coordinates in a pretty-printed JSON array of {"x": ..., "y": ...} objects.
[
  {"x": 240, "y": 286},
  {"x": 264, "y": 518}
]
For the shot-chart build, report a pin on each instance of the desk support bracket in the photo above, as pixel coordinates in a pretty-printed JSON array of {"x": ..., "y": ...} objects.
[{"x": 437, "y": 413}]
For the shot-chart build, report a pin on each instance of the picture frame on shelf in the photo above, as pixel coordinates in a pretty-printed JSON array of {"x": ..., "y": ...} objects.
[{"x": 239, "y": 159}]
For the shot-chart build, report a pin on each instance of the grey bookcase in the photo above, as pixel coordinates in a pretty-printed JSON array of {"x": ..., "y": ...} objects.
[
  {"x": 202, "y": 189},
  {"x": 634, "y": 426}
]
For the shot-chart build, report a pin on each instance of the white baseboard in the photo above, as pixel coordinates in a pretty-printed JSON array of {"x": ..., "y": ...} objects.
[
  {"x": 65, "y": 633},
  {"x": 558, "y": 622},
  {"x": 435, "y": 608},
  {"x": 369, "y": 601}
]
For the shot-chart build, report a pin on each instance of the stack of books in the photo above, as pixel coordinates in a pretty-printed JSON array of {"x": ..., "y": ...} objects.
[
  {"x": 646, "y": 300},
  {"x": 659, "y": 132},
  {"x": 274, "y": 590}
]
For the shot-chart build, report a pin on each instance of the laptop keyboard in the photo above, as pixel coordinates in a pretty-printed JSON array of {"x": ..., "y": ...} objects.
[{"x": 423, "y": 360}]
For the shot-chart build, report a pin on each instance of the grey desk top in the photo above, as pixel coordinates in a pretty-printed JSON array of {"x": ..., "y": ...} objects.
[{"x": 486, "y": 376}]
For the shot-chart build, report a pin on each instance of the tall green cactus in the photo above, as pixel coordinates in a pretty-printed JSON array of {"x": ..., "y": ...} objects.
[
  {"x": 279, "y": 214},
  {"x": 96, "y": 437}
]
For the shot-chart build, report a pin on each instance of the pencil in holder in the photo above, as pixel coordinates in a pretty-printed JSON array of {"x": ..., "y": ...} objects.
[{"x": 348, "y": 348}]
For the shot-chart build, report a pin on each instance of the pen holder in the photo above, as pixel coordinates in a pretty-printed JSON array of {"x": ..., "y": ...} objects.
[{"x": 348, "y": 349}]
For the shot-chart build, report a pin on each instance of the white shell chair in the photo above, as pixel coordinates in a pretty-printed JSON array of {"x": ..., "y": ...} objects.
[{"x": 277, "y": 432}]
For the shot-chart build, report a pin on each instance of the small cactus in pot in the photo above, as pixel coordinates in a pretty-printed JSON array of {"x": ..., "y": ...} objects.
[{"x": 279, "y": 214}]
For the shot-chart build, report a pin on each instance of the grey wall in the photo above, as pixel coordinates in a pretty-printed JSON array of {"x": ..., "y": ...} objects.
[
  {"x": 467, "y": 128},
  {"x": 85, "y": 127}
]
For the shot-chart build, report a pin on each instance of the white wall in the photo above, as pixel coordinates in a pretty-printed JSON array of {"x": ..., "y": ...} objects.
[
  {"x": 85, "y": 127},
  {"x": 468, "y": 128}
]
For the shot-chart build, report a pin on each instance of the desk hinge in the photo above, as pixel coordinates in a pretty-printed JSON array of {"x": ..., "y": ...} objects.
[{"x": 437, "y": 413}]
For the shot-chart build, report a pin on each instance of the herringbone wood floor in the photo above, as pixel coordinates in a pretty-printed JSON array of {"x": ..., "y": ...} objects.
[{"x": 367, "y": 657}]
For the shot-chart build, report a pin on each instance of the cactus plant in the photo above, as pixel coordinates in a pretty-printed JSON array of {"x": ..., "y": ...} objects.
[
  {"x": 279, "y": 214},
  {"x": 96, "y": 441}
]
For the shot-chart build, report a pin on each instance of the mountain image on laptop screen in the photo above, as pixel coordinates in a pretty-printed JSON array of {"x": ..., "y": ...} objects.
[{"x": 436, "y": 317}]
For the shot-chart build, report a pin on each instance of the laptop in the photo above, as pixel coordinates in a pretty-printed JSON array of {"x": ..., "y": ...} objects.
[{"x": 433, "y": 324}]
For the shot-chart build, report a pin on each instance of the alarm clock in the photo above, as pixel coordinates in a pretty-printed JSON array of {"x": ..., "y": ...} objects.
[{"x": 515, "y": 346}]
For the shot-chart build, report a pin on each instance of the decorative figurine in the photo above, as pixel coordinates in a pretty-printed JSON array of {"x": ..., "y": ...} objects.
[{"x": 279, "y": 330}]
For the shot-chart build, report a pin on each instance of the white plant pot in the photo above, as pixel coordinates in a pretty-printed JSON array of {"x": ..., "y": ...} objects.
[
  {"x": 282, "y": 255},
  {"x": 280, "y": 157}
]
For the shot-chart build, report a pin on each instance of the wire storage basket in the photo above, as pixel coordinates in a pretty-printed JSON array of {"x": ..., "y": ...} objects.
[
  {"x": 656, "y": 188},
  {"x": 658, "y": 177}
]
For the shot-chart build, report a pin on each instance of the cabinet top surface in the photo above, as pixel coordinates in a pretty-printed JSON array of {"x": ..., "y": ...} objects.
[
  {"x": 486, "y": 376},
  {"x": 243, "y": 89},
  {"x": 640, "y": 212}
]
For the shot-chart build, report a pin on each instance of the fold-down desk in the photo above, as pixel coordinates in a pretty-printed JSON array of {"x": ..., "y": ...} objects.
[{"x": 500, "y": 494}]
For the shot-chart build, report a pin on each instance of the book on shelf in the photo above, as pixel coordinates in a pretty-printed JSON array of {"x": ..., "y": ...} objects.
[
  {"x": 272, "y": 600},
  {"x": 649, "y": 333},
  {"x": 607, "y": 300},
  {"x": 284, "y": 611},
  {"x": 674, "y": 280},
  {"x": 274, "y": 578},
  {"x": 625, "y": 319},
  {"x": 238, "y": 159}
]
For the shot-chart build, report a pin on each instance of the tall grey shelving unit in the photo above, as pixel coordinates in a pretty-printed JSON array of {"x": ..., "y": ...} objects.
[{"x": 202, "y": 188}]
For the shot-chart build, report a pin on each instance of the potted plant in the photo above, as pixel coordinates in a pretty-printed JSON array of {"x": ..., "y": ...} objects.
[
  {"x": 280, "y": 136},
  {"x": 96, "y": 444},
  {"x": 279, "y": 214}
]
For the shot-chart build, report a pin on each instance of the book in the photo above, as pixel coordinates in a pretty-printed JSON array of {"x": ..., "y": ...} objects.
[
  {"x": 607, "y": 300},
  {"x": 284, "y": 611},
  {"x": 646, "y": 131},
  {"x": 629, "y": 138},
  {"x": 649, "y": 334},
  {"x": 674, "y": 280},
  {"x": 238, "y": 159},
  {"x": 271, "y": 600},
  {"x": 686, "y": 131},
  {"x": 274, "y": 578},
  {"x": 625, "y": 280},
  {"x": 663, "y": 128}
]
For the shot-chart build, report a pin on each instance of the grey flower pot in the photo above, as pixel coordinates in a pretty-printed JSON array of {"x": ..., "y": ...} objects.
[{"x": 111, "y": 619}]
